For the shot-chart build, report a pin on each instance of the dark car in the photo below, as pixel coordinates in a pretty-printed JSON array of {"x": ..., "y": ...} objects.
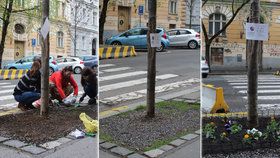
[{"x": 89, "y": 60}]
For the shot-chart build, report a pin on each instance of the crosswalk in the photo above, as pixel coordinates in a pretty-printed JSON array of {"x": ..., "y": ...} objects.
[
  {"x": 268, "y": 90},
  {"x": 6, "y": 95},
  {"x": 119, "y": 84}
]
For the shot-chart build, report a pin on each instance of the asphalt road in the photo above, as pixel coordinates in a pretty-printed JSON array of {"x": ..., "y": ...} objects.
[
  {"x": 235, "y": 91},
  {"x": 122, "y": 81}
]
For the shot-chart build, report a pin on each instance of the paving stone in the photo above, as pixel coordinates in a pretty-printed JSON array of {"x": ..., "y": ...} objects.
[
  {"x": 108, "y": 145},
  {"x": 64, "y": 140},
  {"x": 101, "y": 141},
  {"x": 121, "y": 151},
  {"x": 33, "y": 149},
  {"x": 154, "y": 153},
  {"x": 136, "y": 156},
  {"x": 2, "y": 139},
  {"x": 166, "y": 147},
  {"x": 198, "y": 132},
  {"x": 189, "y": 136},
  {"x": 15, "y": 143},
  {"x": 51, "y": 145},
  {"x": 177, "y": 142}
]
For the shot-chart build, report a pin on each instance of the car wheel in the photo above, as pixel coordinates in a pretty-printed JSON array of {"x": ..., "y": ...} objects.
[
  {"x": 77, "y": 70},
  {"x": 192, "y": 44},
  {"x": 51, "y": 71},
  {"x": 12, "y": 68},
  {"x": 204, "y": 75},
  {"x": 116, "y": 43},
  {"x": 161, "y": 48}
]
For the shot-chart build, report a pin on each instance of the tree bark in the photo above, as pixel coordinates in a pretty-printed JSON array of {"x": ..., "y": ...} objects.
[
  {"x": 44, "y": 111},
  {"x": 151, "y": 78},
  {"x": 253, "y": 70},
  {"x": 102, "y": 20},
  {"x": 6, "y": 20}
]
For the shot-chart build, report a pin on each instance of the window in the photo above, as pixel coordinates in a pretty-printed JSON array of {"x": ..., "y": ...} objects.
[
  {"x": 172, "y": 26},
  {"x": 134, "y": 32},
  {"x": 19, "y": 29},
  {"x": 59, "y": 39},
  {"x": 63, "y": 9},
  {"x": 216, "y": 22},
  {"x": 146, "y": 6},
  {"x": 172, "y": 7},
  {"x": 94, "y": 21}
]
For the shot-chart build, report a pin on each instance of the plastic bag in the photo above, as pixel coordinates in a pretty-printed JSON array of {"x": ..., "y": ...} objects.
[
  {"x": 90, "y": 124},
  {"x": 70, "y": 99}
]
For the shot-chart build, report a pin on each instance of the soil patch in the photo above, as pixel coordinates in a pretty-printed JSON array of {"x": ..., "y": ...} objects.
[
  {"x": 235, "y": 142},
  {"x": 30, "y": 127},
  {"x": 136, "y": 132}
]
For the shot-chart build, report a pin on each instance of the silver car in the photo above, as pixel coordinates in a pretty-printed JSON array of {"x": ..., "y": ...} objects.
[
  {"x": 184, "y": 37},
  {"x": 75, "y": 62},
  {"x": 204, "y": 67}
]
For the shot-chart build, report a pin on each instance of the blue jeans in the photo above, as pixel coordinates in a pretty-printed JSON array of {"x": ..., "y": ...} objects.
[{"x": 27, "y": 98}]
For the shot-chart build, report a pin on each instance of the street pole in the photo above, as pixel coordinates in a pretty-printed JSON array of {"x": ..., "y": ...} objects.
[
  {"x": 45, "y": 64},
  {"x": 151, "y": 78},
  {"x": 254, "y": 46}
]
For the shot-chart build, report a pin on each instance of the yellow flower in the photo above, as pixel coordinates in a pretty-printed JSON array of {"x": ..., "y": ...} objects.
[
  {"x": 224, "y": 134},
  {"x": 212, "y": 123},
  {"x": 246, "y": 136}
]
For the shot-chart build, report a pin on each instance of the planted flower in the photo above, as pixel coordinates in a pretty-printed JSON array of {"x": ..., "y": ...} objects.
[
  {"x": 272, "y": 130},
  {"x": 252, "y": 135},
  {"x": 209, "y": 130}
]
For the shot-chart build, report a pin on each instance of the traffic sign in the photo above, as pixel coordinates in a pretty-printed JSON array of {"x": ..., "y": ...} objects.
[
  {"x": 33, "y": 42},
  {"x": 140, "y": 9}
]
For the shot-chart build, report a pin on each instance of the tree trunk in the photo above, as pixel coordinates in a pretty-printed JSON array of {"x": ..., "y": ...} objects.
[
  {"x": 253, "y": 70},
  {"x": 102, "y": 20},
  {"x": 45, "y": 65},
  {"x": 151, "y": 78},
  {"x": 207, "y": 54},
  {"x": 6, "y": 20},
  {"x": 260, "y": 56}
]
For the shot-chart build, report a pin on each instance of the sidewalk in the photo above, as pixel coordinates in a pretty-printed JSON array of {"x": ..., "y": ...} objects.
[{"x": 82, "y": 148}]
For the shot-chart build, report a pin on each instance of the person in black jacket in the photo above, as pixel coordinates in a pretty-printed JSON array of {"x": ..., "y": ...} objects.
[
  {"x": 89, "y": 83},
  {"x": 28, "y": 88}
]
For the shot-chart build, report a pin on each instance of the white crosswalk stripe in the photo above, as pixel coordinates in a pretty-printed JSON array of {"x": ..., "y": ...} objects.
[
  {"x": 131, "y": 84},
  {"x": 268, "y": 90}
]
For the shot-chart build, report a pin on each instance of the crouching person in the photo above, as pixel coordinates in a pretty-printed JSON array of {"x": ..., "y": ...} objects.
[
  {"x": 62, "y": 84},
  {"x": 28, "y": 88},
  {"x": 89, "y": 83}
]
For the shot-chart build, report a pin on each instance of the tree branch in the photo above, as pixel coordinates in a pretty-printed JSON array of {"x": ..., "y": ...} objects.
[
  {"x": 205, "y": 1},
  {"x": 24, "y": 10},
  {"x": 229, "y": 22},
  {"x": 204, "y": 32}
]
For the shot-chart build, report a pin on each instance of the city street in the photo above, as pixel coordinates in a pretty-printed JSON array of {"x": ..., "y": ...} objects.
[
  {"x": 235, "y": 91},
  {"x": 123, "y": 81}
]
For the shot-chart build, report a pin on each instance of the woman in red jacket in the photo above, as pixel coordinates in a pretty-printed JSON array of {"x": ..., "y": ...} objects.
[{"x": 62, "y": 84}]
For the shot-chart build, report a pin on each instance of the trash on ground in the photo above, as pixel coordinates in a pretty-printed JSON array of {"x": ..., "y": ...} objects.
[
  {"x": 90, "y": 124},
  {"x": 77, "y": 134}
]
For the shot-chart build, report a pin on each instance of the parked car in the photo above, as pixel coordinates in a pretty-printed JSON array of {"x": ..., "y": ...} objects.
[
  {"x": 75, "y": 62},
  {"x": 89, "y": 60},
  {"x": 26, "y": 63},
  {"x": 184, "y": 37},
  {"x": 137, "y": 37},
  {"x": 204, "y": 67}
]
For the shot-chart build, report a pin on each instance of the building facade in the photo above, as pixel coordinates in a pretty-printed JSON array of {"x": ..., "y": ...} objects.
[
  {"x": 123, "y": 15},
  {"x": 24, "y": 28},
  {"x": 228, "y": 51},
  {"x": 83, "y": 16}
]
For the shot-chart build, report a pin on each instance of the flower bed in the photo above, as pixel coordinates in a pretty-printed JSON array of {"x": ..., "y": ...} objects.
[{"x": 226, "y": 135}]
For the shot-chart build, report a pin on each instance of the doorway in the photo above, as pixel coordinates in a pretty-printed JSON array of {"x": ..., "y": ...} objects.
[
  {"x": 123, "y": 18},
  {"x": 18, "y": 50}
]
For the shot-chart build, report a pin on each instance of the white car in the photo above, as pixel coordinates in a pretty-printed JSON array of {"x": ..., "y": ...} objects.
[
  {"x": 184, "y": 37},
  {"x": 75, "y": 62},
  {"x": 204, "y": 67}
]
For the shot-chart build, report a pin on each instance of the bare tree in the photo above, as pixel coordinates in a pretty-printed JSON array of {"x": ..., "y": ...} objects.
[
  {"x": 151, "y": 78},
  {"x": 79, "y": 14},
  {"x": 235, "y": 8},
  {"x": 190, "y": 6},
  {"x": 254, "y": 48},
  {"x": 8, "y": 8},
  {"x": 102, "y": 20}
]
